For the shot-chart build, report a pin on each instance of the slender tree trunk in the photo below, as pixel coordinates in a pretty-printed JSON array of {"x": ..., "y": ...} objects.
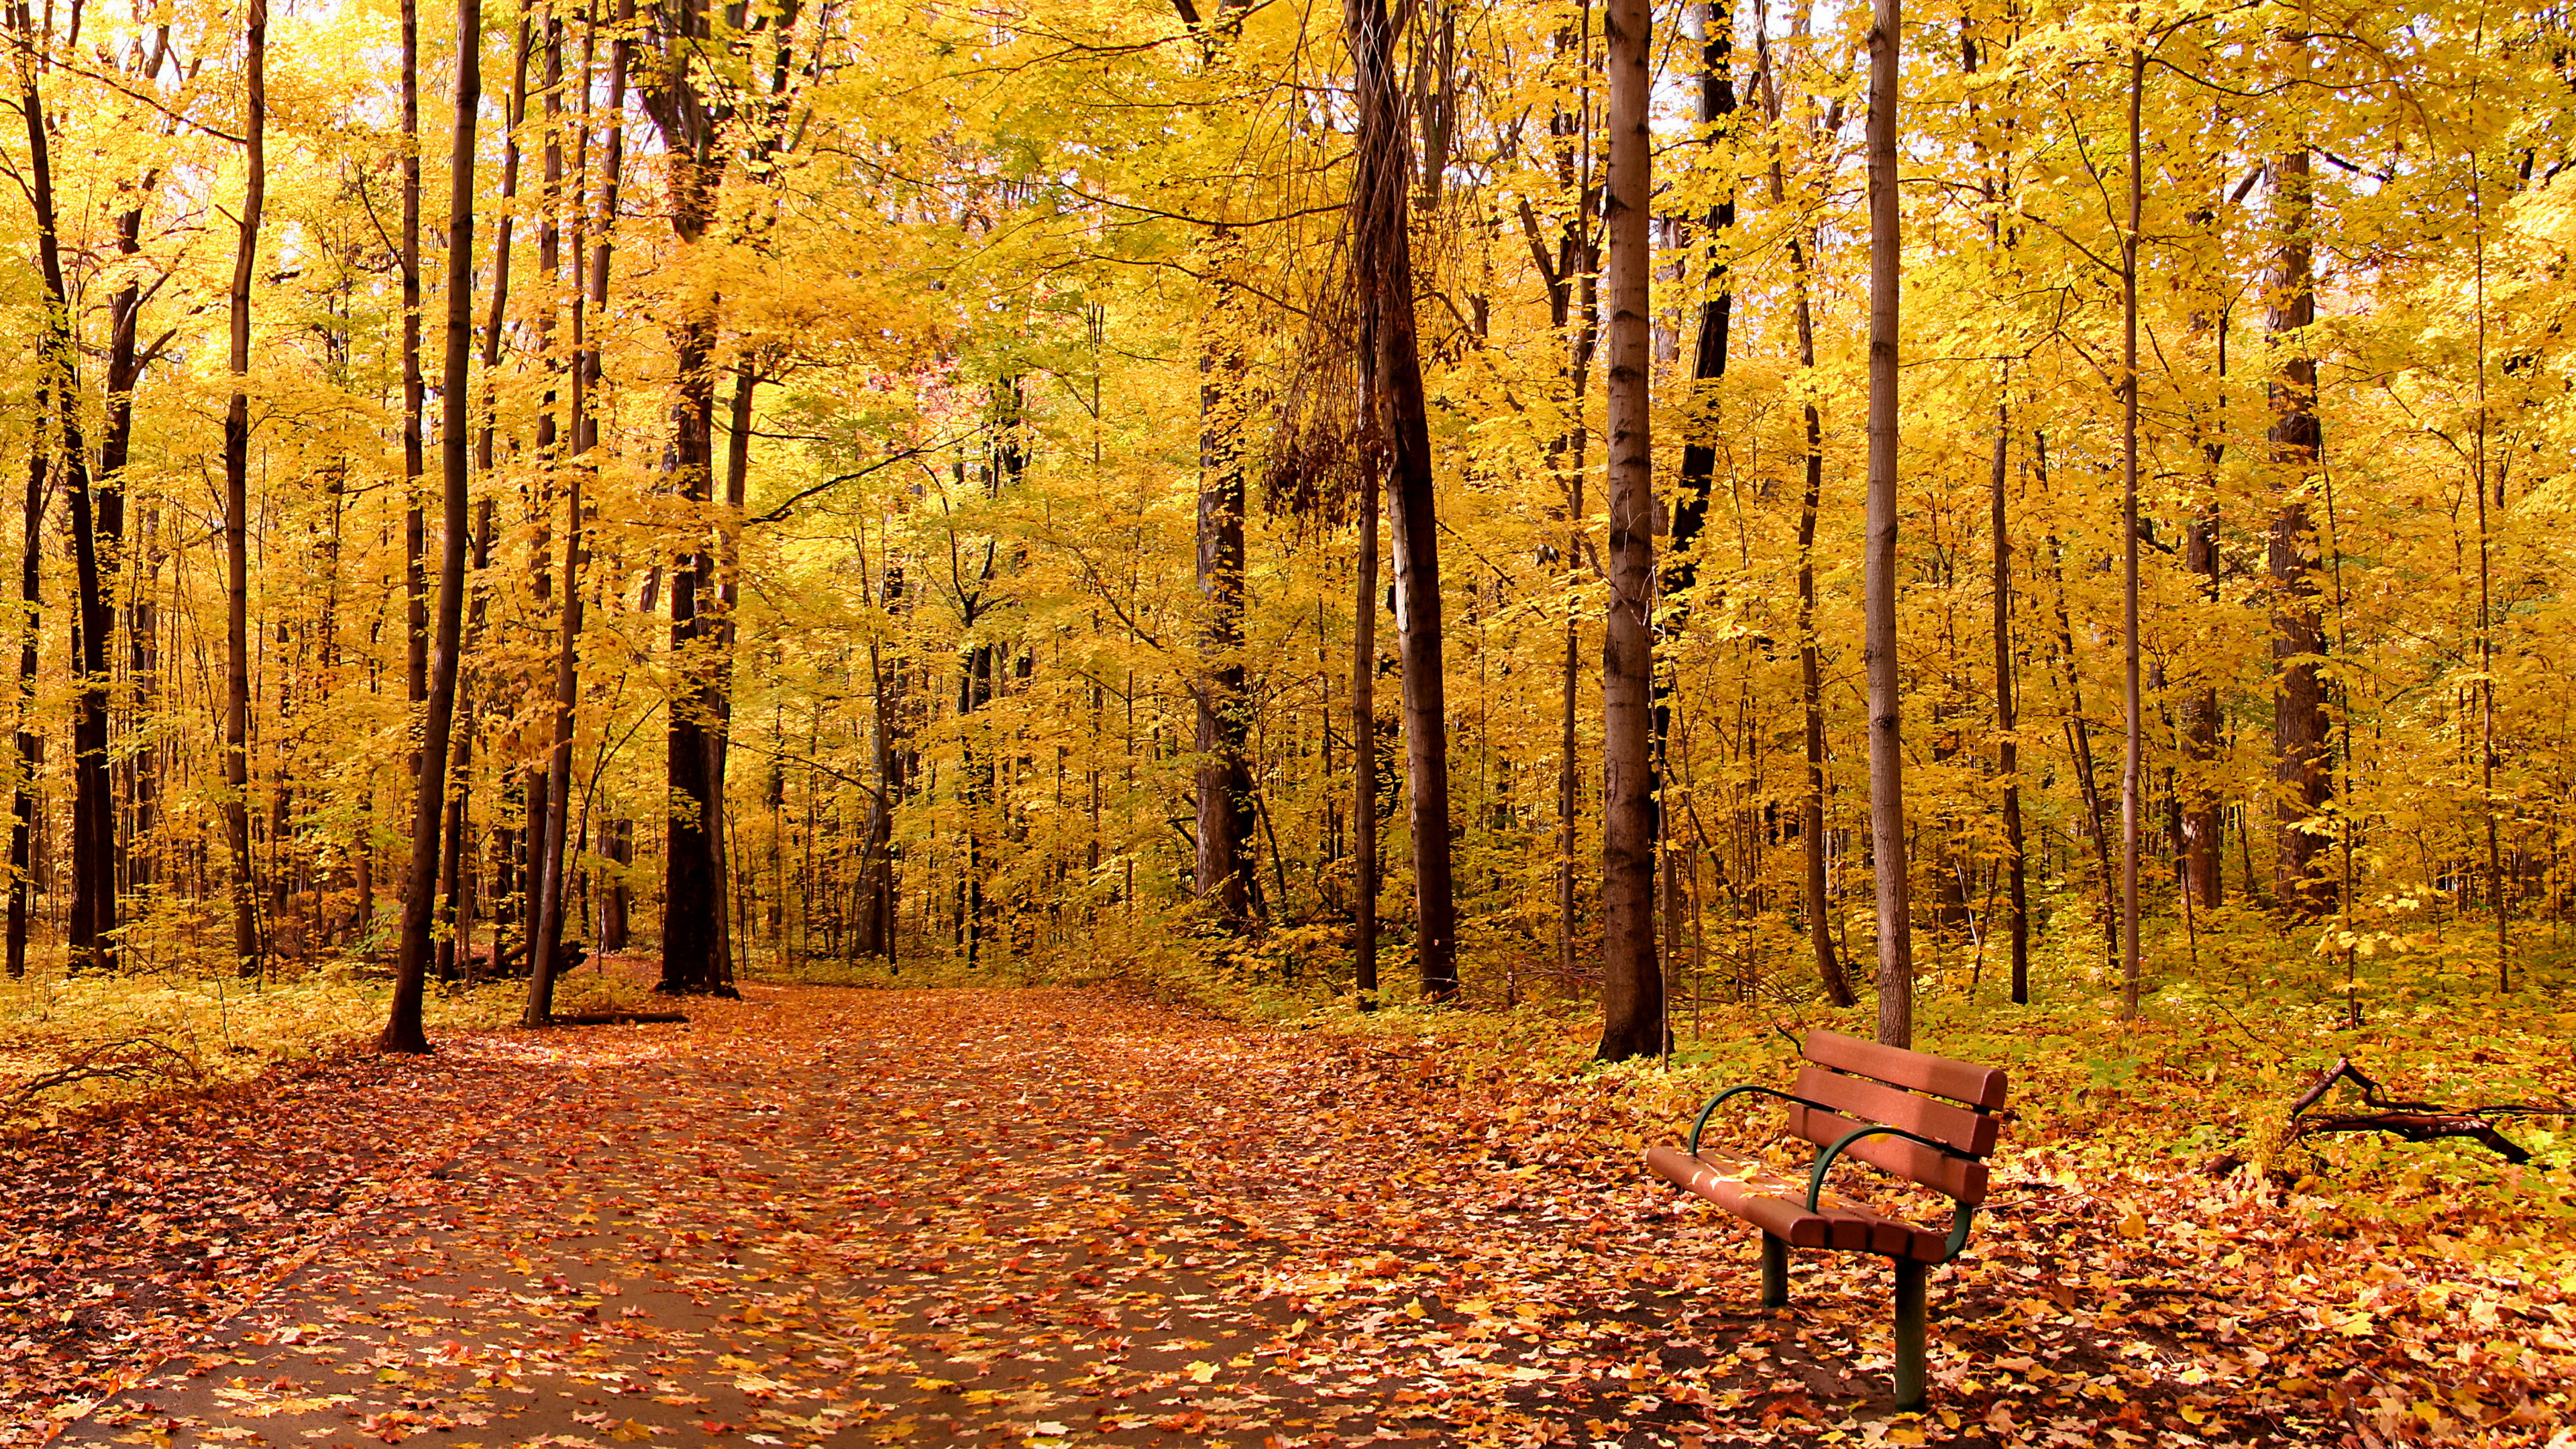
[
  {"x": 1886, "y": 739},
  {"x": 90, "y": 931},
  {"x": 1384, "y": 250},
  {"x": 124, "y": 368},
  {"x": 2302, "y": 771},
  {"x": 1224, "y": 783},
  {"x": 2007, "y": 720},
  {"x": 1364, "y": 752},
  {"x": 1816, "y": 904},
  {"x": 2133, "y": 698},
  {"x": 415, "y": 388},
  {"x": 246, "y": 941},
  {"x": 1699, "y": 449},
  {"x": 1632, "y": 996},
  {"x": 403, "y": 1030},
  {"x": 2204, "y": 820},
  {"x": 22, "y": 818},
  {"x": 2486, "y": 629}
]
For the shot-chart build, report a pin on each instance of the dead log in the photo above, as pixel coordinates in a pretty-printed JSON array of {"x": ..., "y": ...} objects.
[{"x": 2411, "y": 1120}]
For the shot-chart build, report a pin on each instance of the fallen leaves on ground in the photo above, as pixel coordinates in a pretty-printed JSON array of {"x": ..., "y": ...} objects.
[{"x": 1046, "y": 1216}]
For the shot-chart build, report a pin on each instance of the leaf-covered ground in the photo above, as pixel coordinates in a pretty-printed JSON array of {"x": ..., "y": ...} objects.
[{"x": 1047, "y": 1216}]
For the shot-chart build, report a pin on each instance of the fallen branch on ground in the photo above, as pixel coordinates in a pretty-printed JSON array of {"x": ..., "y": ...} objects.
[
  {"x": 2411, "y": 1120},
  {"x": 128, "y": 1059}
]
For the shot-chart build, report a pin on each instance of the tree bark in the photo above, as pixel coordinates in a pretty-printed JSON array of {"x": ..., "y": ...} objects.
[
  {"x": 246, "y": 938},
  {"x": 1364, "y": 754},
  {"x": 1632, "y": 993},
  {"x": 22, "y": 818},
  {"x": 589, "y": 303},
  {"x": 403, "y": 1030},
  {"x": 2007, "y": 720},
  {"x": 90, "y": 931},
  {"x": 2301, "y": 769},
  {"x": 1811, "y": 691},
  {"x": 415, "y": 389},
  {"x": 1383, "y": 249},
  {"x": 1224, "y": 784},
  {"x": 2133, "y": 698},
  {"x": 1886, "y": 740},
  {"x": 1699, "y": 448},
  {"x": 693, "y": 915}
]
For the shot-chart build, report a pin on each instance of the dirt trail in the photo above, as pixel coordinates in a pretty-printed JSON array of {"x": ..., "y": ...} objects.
[{"x": 850, "y": 1218}]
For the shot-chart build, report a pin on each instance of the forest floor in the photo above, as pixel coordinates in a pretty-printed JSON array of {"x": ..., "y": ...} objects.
[{"x": 1046, "y": 1216}]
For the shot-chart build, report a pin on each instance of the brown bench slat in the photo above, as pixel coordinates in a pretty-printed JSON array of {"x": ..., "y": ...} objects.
[
  {"x": 1957, "y": 1176},
  {"x": 1941, "y": 1076},
  {"x": 1865, "y": 1100},
  {"x": 1780, "y": 1208}
]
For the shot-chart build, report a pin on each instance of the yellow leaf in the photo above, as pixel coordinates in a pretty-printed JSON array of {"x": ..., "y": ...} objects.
[{"x": 1202, "y": 1372}]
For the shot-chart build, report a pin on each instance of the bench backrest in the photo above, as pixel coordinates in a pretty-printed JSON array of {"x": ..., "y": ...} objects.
[{"x": 1951, "y": 1102}]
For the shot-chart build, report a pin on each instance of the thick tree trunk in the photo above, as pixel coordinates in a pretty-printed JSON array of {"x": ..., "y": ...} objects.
[
  {"x": 1886, "y": 739},
  {"x": 2304, "y": 780},
  {"x": 1383, "y": 250},
  {"x": 1632, "y": 991},
  {"x": 246, "y": 939},
  {"x": 403, "y": 1030},
  {"x": 694, "y": 938}
]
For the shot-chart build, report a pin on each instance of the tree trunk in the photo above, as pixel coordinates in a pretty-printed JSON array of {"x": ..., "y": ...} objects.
[
  {"x": 2133, "y": 698},
  {"x": 1886, "y": 740},
  {"x": 90, "y": 931},
  {"x": 1632, "y": 991},
  {"x": 1699, "y": 449},
  {"x": 1224, "y": 784},
  {"x": 589, "y": 305},
  {"x": 1364, "y": 754},
  {"x": 1811, "y": 691},
  {"x": 246, "y": 941},
  {"x": 693, "y": 914},
  {"x": 415, "y": 390},
  {"x": 2007, "y": 721},
  {"x": 403, "y": 1030},
  {"x": 2301, "y": 769},
  {"x": 1383, "y": 251},
  {"x": 22, "y": 818}
]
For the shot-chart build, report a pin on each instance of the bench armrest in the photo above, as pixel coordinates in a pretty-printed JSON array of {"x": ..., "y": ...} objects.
[
  {"x": 1700, "y": 1123},
  {"x": 1825, "y": 1161}
]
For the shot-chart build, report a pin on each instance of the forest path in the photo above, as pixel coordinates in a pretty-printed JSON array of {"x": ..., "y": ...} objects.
[{"x": 936, "y": 1217}]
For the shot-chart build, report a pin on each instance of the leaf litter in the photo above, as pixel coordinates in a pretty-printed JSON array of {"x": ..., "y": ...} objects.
[{"x": 1049, "y": 1217}]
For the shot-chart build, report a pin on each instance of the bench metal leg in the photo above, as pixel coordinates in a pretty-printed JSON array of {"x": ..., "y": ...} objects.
[
  {"x": 1909, "y": 1334},
  {"x": 1775, "y": 1271}
]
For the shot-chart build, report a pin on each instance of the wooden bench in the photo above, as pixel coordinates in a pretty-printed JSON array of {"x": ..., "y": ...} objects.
[{"x": 1927, "y": 1119}]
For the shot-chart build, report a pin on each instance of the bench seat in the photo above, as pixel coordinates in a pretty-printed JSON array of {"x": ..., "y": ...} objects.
[{"x": 1778, "y": 1207}]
